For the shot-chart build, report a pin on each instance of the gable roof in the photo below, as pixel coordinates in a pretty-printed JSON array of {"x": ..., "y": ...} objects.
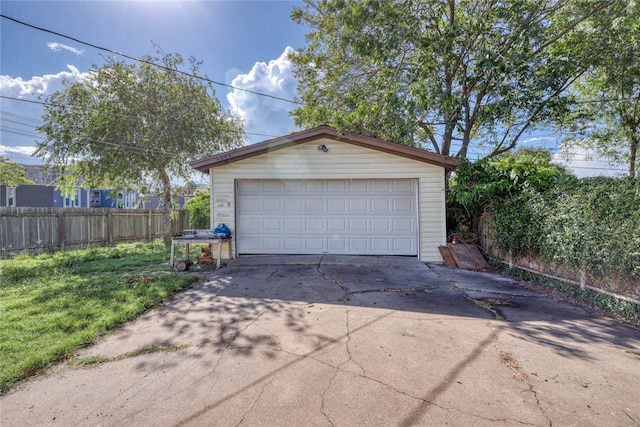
[{"x": 293, "y": 139}]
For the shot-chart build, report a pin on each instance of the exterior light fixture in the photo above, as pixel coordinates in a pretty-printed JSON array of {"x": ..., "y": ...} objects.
[{"x": 323, "y": 148}]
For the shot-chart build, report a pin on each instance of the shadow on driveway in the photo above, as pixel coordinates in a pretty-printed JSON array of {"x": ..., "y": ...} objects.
[{"x": 330, "y": 340}]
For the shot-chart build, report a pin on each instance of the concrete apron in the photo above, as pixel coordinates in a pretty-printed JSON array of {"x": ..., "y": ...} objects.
[{"x": 342, "y": 341}]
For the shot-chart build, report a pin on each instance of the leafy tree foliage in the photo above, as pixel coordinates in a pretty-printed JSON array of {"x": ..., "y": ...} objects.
[
  {"x": 12, "y": 174},
  {"x": 606, "y": 118},
  {"x": 136, "y": 126},
  {"x": 440, "y": 74},
  {"x": 199, "y": 208},
  {"x": 484, "y": 185}
]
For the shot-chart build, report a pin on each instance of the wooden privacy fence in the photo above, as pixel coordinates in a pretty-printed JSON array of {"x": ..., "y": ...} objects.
[{"x": 48, "y": 229}]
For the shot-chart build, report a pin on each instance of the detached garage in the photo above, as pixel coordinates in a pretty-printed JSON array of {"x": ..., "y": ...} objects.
[{"x": 317, "y": 192}]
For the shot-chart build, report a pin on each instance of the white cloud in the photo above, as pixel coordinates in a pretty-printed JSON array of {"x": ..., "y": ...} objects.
[
  {"x": 19, "y": 118},
  {"x": 37, "y": 85},
  {"x": 584, "y": 162},
  {"x": 57, "y": 47},
  {"x": 538, "y": 140},
  {"x": 263, "y": 114},
  {"x": 24, "y": 150}
]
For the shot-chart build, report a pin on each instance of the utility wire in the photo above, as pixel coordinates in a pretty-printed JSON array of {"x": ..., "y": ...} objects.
[
  {"x": 124, "y": 55},
  {"x": 81, "y": 109}
]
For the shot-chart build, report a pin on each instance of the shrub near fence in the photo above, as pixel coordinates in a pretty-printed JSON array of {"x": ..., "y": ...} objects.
[{"x": 47, "y": 229}]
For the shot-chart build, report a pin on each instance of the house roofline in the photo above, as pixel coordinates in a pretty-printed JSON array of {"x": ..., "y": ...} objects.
[{"x": 248, "y": 151}]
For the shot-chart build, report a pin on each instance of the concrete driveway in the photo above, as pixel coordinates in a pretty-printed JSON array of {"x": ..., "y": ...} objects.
[{"x": 346, "y": 341}]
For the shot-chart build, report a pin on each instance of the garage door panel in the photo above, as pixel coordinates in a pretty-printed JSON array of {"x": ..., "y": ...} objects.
[
  {"x": 400, "y": 244},
  {"x": 294, "y": 186},
  {"x": 272, "y": 225},
  {"x": 358, "y": 224},
  {"x": 272, "y": 204},
  {"x": 402, "y": 206},
  {"x": 337, "y": 225},
  {"x": 315, "y": 205},
  {"x": 337, "y": 244},
  {"x": 253, "y": 206},
  {"x": 400, "y": 186},
  {"x": 358, "y": 205},
  {"x": 380, "y": 206},
  {"x": 252, "y": 244},
  {"x": 380, "y": 225},
  {"x": 293, "y": 243},
  {"x": 314, "y": 224},
  {"x": 336, "y": 186},
  {"x": 380, "y": 245},
  {"x": 357, "y": 186},
  {"x": 380, "y": 186},
  {"x": 250, "y": 225},
  {"x": 272, "y": 186},
  {"x": 293, "y": 225},
  {"x": 272, "y": 243},
  {"x": 359, "y": 217},
  {"x": 402, "y": 225},
  {"x": 314, "y": 245},
  {"x": 359, "y": 244},
  {"x": 315, "y": 186},
  {"x": 292, "y": 206},
  {"x": 336, "y": 205}
]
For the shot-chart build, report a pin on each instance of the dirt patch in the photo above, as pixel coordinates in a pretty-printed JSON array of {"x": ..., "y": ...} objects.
[{"x": 512, "y": 363}]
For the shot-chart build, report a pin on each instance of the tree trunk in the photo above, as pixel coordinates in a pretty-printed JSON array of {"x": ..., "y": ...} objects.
[
  {"x": 166, "y": 208},
  {"x": 633, "y": 153}
]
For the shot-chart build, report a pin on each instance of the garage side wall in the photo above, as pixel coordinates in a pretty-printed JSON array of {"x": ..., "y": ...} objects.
[{"x": 341, "y": 161}]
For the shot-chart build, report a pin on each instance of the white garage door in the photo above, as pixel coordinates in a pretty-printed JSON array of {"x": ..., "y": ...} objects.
[{"x": 356, "y": 217}]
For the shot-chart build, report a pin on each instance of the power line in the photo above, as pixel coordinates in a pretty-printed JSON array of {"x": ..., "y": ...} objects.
[
  {"x": 81, "y": 109},
  {"x": 124, "y": 55}
]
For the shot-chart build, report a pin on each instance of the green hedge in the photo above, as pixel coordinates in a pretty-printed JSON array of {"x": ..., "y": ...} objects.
[{"x": 592, "y": 224}]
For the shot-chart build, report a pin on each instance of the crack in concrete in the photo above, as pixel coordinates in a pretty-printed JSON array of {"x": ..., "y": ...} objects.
[
  {"x": 248, "y": 325},
  {"x": 348, "y": 349},
  {"x": 399, "y": 290},
  {"x": 345, "y": 297},
  {"x": 486, "y": 305},
  {"x": 255, "y": 402},
  {"x": 471, "y": 414},
  {"x": 337, "y": 369},
  {"x": 512, "y": 363}
]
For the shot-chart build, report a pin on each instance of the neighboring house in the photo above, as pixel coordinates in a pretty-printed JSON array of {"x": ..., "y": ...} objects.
[
  {"x": 156, "y": 202},
  {"x": 42, "y": 196},
  {"x": 317, "y": 192},
  {"x": 115, "y": 199},
  {"x": 40, "y": 174}
]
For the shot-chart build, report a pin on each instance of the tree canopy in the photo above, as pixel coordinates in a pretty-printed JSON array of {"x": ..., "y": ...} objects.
[
  {"x": 606, "y": 116},
  {"x": 136, "y": 125},
  {"x": 12, "y": 174},
  {"x": 440, "y": 74}
]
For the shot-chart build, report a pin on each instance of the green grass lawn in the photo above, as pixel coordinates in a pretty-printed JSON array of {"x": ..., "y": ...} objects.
[{"x": 53, "y": 304}]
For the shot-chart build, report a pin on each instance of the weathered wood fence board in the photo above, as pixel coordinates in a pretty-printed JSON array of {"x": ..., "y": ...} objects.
[{"x": 47, "y": 229}]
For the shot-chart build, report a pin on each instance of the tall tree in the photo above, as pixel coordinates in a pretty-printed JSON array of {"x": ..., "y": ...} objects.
[
  {"x": 442, "y": 74},
  {"x": 606, "y": 117},
  {"x": 133, "y": 125},
  {"x": 12, "y": 174}
]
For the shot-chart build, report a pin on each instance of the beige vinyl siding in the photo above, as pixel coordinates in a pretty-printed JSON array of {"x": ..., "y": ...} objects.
[{"x": 342, "y": 161}]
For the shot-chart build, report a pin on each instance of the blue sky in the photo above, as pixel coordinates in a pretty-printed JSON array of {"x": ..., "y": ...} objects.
[{"x": 241, "y": 43}]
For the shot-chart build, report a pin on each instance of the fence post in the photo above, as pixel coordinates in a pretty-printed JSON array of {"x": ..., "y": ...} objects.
[
  {"x": 149, "y": 221},
  {"x": 109, "y": 227},
  {"x": 61, "y": 233}
]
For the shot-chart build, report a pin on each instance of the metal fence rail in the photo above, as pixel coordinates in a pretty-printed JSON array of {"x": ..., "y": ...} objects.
[{"x": 47, "y": 229}]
